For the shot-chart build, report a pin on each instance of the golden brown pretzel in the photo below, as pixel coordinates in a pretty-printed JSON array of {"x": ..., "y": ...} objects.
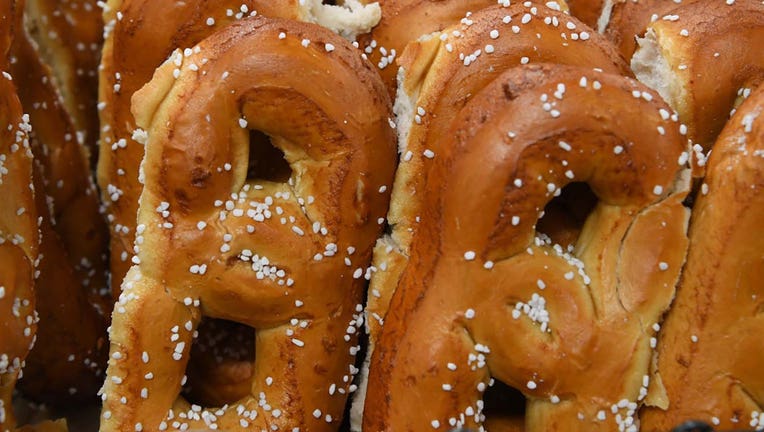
[
  {"x": 135, "y": 46},
  {"x": 711, "y": 347},
  {"x": 442, "y": 73},
  {"x": 279, "y": 256},
  {"x": 72, "y": 285},
  {"x": 699, "y": 57},
  {"x": 483, "y": 295},
  {"x": 69, "y": 37},
  {"x": 19, "y": 236},
  {"x": 138, "y": 42},
  {"x": 145, "y": 34},
  {"x": 437, "y": 82}
]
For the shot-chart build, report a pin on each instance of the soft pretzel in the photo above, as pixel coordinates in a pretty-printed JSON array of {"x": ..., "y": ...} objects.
[
  {"x": 69, "y": 36},
  {"x": 278, "y": 256},
  {"x": 439, "y": 76},
  {"x": 622, "y": 21},
  {"x": 485, "y": 296},
  {"x": 70, "y": 349},
  {"x": 711, "y": 347},
  {"x": 19, "y": 236},
  {"x": 141, "y": 34},
  {"x": 699, "y": 57},
  {"x": 127, "y": 65}
]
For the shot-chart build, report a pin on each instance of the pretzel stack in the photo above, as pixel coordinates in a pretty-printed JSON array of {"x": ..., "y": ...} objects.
[{"x": 399, "y": 215}]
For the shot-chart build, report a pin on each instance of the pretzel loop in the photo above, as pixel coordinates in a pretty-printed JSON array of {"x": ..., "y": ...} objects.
[
  {"x": 499, "y": 299},
  {"x": 277, "y": 256}
]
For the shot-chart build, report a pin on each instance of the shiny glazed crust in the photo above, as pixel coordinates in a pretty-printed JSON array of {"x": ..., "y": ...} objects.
[
  {"x": 277, "y": 256},
  {"x": 628, "y": 19},
  {"x": 711, "y": 345},
  {"x": 712, "y": 50},
  {"x": 404, "y": 21},
  {"x": 484, "y": 296},
  {"x": 437, "y": 82},
  {"x": 437, "y": 79},
  {"x": 135, "y": 46}
]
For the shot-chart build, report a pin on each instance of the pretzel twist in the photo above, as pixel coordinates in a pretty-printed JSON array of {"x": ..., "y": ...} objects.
[
  {"x": 436, "y": 83},
  {"x": 127, "y": 65},
  {"x": 276, "y": 256},
  {"x": 494, "y": 299},
  {"x": 710, "y": 346},
  {"x": 67, "y": 360},
  {"x": 700, "y": 58},
  {"x": 147, "y": 33},
  {"x": 19, "y": 236}
]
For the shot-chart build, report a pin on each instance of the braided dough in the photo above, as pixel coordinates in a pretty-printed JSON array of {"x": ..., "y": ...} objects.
[
  {"x": 711, "y": 345},
  {"x": 700, "y": 58},
  {"x": 19, "y": 236},
  {"x": 494, "y": 298},
  {"x": 277, "y": 256}
]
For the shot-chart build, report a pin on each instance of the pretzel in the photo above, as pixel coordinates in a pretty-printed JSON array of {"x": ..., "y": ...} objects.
[
  {"x": 279, "y": 256},
  {"x": 64, "y": 366},
  {"x": 128, "y": 65},
  {"x": 135, "y": 46},
  {"x": 69, "y": 37},
  {"x": 700, "y": 57},
  {"x": 622, "y": 21},
  {"x": 710, "y": 345},
  {"x": 19, "y": 236},
  {"x": 436, "y": 83},
  {"x": 484, "y": 295}
]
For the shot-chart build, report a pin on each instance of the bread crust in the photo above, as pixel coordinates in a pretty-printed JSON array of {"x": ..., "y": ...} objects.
[
  {"x": 405, "y": 21},
  {"x": 710, "y": 346},
  {"x": 135, "y": 46},
  {"x": 712, "y": 49},
  {"x": 475, "y": 272},
  {"x": 306, "y": 305}
]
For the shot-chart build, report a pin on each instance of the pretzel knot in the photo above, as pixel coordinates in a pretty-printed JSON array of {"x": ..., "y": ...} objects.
[
  {"x": 485, "y": 295},
  {"x": 216, "y": 240}
]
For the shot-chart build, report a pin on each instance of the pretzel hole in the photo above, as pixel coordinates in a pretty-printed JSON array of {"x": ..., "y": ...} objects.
[
  {"x": 565, "y": 214},
  {"x": 222, "y": 363},
  {"x": 504, "y": 407},
  {"x": 266, "y": 161}
]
